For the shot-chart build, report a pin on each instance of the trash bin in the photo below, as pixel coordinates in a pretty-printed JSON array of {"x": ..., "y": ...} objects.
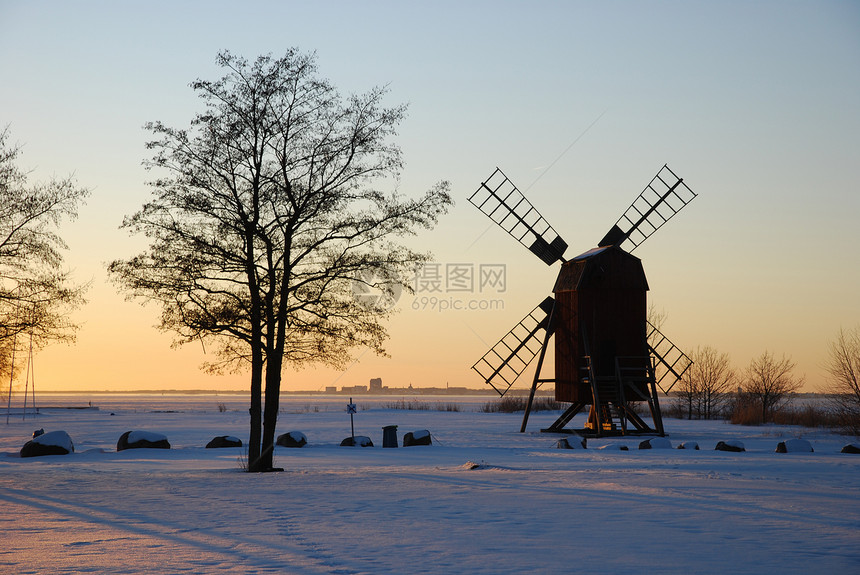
[{"x": 389, "y": 436}]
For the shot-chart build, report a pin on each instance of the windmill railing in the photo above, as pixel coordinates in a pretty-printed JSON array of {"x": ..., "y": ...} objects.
[{"x": 632, "y": 373}]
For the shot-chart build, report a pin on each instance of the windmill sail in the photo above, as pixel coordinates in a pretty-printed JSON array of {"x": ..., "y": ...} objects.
[
  {"x": 504, "y": 362},
  {"x": 672, "y": 362},
  {"x": 661, "y": 199},
  {"x": 503, "y": 203}
]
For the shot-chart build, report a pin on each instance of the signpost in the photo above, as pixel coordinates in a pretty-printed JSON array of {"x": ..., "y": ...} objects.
[{"x": 350, "y": 409}]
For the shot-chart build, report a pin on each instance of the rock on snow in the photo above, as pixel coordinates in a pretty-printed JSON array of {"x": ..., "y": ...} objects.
[{"x": 51, "y": 443}]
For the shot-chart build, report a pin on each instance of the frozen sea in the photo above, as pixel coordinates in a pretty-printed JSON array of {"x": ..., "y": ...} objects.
[{"x": 483, "y": 498}]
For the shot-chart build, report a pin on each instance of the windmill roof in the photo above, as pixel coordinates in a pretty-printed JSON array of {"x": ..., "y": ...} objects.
[
  {"x": 594, "y": 267},
  {"x": 591, "y": 252}
]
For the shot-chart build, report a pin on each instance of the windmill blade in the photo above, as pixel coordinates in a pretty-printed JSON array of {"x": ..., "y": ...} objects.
[
  {"x": 673, "y": 361},
  {"x": 661, "y": 199},
  {"x": 504, "y": 362},
  {"x": 503, "y": 203}
]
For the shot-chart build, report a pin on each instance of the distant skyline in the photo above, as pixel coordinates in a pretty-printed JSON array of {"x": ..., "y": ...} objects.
[{"x": 756, "y": 105}]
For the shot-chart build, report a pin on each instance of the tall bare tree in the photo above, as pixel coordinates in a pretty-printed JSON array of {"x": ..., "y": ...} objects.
[
  {"x": 36, "y": 294},
  {"x": 768, "y": 382},
  {"x": 843, "y": 366},
  {"x": 706, "y": 386},
  {"x": 266, "y": 213}
]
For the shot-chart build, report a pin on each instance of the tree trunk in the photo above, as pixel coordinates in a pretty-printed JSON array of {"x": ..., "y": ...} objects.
[
  {"x": 254, "y": 460},
  {"x": 270, "y": 414},
  {"x": 276, "y": 337}
]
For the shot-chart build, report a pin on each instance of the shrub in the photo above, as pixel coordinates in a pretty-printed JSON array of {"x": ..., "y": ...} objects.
[{"x": 746, "y": 412}]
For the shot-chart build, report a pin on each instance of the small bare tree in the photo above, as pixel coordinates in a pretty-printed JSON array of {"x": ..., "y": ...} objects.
[
  {"x": 768, "y": 382},
  {"x": 36, "y": 295},
  {"x": 843, "y": 365},
  {"x": 707, "y": 384}
]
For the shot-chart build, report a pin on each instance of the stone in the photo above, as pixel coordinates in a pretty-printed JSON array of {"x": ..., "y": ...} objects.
[
  {"x": 851, "y": 448},
  {"x": 731, "y": 445},
  {"x": 573, "y": 442},
  {"x": 688, "y": 445},
  {"x": 656, "y": 443},
  {"x": 51, "y": 443},
  {"x": 357, "y": 441},
  {"x": 292, "y": 439},
  {"x": 142, "y": 439},
  {"x": 794, "y": 446},
  {"x": 421, "y": 437},
  {"x": 224, "y": 441}
]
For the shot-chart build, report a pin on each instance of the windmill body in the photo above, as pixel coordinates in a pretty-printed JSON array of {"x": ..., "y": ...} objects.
[
  {"x": 607, "y": 355},
  {"x": 601, "y": 300}
]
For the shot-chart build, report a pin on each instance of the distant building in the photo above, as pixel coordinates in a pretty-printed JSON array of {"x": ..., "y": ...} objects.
[
  {"x": 354, "y": 389},
  {"x": 331, "y": 389},
  {"x": 376, "y": 384}
]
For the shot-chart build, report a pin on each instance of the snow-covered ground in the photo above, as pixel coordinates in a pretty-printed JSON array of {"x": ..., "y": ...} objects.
[{"x": 482, "y": 499}]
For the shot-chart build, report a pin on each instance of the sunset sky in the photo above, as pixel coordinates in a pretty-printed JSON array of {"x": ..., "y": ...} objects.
[{"x": 755, "y": 104}]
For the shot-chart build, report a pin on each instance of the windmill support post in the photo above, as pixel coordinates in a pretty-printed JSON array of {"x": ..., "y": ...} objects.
[{"x": 549, "y": 330}]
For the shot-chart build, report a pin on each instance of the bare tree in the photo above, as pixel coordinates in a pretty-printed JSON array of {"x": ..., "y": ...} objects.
[
  {"x": 36, "y": 295},
  {"x": 657, "y": 318},
  {"x": 768, "y": 382},
  {"x": 843, "y": 365},
  {"x": 265, "y": 216},
  {"x": 706, "y": 386}
]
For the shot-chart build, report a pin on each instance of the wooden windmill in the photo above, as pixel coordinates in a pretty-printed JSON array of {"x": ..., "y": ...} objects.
[{"x": 607, "y": 354}]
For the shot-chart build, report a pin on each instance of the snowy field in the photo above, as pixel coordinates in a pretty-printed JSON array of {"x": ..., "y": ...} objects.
[{"x": 482, "y": 499}]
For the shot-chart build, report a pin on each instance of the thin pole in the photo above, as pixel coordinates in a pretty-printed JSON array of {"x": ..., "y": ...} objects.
[
  {"x": 11, "y": 377},
  {"x": 33, "y": 379},
  {"x": 27, "y": 379},
  {"x": 26, "y": 389},
  {"x": 31, "y": 363}
]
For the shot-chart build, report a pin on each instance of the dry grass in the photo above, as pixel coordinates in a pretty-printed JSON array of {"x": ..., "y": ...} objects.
[
  {"x": 808, "y": 416},
  {"x": 513, "y": 404},
  {"x": 421, "y": 405}
]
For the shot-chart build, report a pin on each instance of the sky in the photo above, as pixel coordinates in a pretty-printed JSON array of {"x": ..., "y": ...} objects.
[{"x": 756, "y": 105}]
